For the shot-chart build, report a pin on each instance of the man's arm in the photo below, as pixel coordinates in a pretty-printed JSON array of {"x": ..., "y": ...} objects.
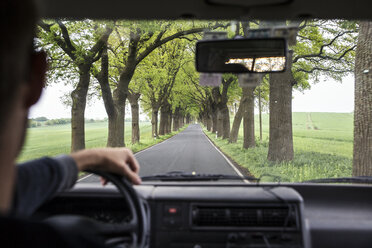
[{"x": 39, "y": 180}]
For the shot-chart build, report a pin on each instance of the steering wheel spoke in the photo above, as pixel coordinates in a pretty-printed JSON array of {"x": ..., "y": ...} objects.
[{"x": 118, "y": 229}]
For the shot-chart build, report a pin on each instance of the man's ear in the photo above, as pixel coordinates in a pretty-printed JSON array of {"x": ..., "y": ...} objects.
[{"x": 36, "y": 81}]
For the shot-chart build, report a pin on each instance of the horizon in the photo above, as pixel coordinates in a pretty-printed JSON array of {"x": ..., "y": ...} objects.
[
  {"x": 322, "y": 97},
  {"x": 126, "y": 119}
]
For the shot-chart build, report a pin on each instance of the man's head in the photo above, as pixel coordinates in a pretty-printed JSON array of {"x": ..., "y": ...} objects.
[
  {"x": 21, "y": 69},
  {"x": 21, "y": 81}
]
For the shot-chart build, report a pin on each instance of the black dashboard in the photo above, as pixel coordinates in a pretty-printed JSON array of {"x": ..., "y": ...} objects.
[
  {"x": 227, "y": 217},
  {"x": 198, "y": 216}
]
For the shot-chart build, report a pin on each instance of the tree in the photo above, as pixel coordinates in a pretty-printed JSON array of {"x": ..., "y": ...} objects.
[
  {"x": 220, "y": 97},
  {"x": 162, "y": 68},
  {"x": 237, "y": 120},
  {"x": 130, "y": 45},
  {"x": 362, "y": 160},
  {"x": 249, "y": 140},
  {"x": 248, "y": 118},
  {"x": 246, "y": 106},
  {"x": 210, "y": 104},
  {"x": 133, "y": 98},
  {"x": 262, "y": 93},
  {"x": 197, "y": 98},
  {"x": 281, "y": 138},
  {"x": 80, "y": 49},
  {"x": 323, "y": 48},
  {"x": 42, "y": 118}
]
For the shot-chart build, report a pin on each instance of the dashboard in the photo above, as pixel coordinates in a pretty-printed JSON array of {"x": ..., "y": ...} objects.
[
  {"x": 236, "y": 215},
  {"x": 227, "y": 217}
]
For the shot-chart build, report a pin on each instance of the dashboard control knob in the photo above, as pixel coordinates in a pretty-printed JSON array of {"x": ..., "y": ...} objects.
[{"x": 232, "y": 237}]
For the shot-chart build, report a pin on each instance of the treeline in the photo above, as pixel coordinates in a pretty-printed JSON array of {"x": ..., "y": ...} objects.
[
  {"x": 138, "y": 61},
  {"x": 43, "y": 121}
]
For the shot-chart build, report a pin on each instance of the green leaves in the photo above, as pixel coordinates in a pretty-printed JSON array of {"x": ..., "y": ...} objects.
[
  {"x": 158, "y": 55},
  {"x": 69, "y": 44},
  {"x": 324, "y": 48}
]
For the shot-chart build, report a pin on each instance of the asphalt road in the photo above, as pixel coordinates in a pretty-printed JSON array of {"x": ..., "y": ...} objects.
[{"x": 188, "y": 151}]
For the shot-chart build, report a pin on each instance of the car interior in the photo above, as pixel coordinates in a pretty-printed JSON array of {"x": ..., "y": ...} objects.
[{"x": 214, "y": 214}]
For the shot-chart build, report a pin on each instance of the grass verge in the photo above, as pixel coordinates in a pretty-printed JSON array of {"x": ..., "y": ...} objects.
[{"x": 307, "y": 164}]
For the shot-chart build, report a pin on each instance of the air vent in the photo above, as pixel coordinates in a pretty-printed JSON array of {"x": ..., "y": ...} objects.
[{"x": 230, "y": 216}]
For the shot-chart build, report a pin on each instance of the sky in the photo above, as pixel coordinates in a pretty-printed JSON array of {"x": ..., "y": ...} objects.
[{"x": 325, "y": 96}]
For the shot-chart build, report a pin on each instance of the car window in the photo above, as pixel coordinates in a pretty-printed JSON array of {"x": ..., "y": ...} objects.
[{"x": 134, "y": 83}]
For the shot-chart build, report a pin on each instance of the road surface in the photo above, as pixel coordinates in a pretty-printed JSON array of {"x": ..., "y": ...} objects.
[{"x": 188, "y": 151}]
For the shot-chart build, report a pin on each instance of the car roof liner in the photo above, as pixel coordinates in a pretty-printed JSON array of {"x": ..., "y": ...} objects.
[{"x": 206, "y": 9}]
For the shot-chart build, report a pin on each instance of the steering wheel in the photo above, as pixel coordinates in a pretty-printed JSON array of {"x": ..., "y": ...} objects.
[{"x": 114, "y": 234}]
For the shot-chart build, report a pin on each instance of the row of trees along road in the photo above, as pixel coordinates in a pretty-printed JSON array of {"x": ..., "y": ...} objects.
[
  {"x": 75, "y": 46},
  {"x": 323, "y": 48},
  {"x": 152, "y": 62}
]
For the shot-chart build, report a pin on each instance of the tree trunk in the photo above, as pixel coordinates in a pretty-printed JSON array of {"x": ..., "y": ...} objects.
[
  {"x": 362, "y": 160},
  {"x": 225, "y": 122},
  {"x": 219, "y": 123},
  {"x": 154, "y": 122},
  {"x": 214, "y": 121},
  {"x": 116, "y": 126},
  {"x": 180, "y": 121},
  {"x": 281, "y": 139},
  {"x": 116, "y": 121},
  {"x": 175, "y": 123},
  {"x": 248, "y": 118},
  {"x": 79, "y": 96},
  {"x": 115, "y": 107},
  {"x": 133, "y": 100},
  {"x": 237, "y": 120},
  {"x": 188, "y": 119},
  {"x": 176, "y": 119},
  {"x": 223, "y": 116},
  {"x": 209, "y": 122},
  {"x": 170, "y": 117},
  {"x": 260, "y": 112},
  {"x": 163, "y": 120}
]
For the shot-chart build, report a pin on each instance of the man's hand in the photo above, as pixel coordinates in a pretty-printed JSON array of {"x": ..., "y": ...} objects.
[{"x": 116, "y": 160}]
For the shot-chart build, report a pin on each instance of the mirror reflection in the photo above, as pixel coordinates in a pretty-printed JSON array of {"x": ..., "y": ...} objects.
[
  {"x": 263, "y": 55},
  {"x": 264, "y": 64}
]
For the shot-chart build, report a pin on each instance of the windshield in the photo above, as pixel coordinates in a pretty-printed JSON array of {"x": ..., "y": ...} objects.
[{"x": 134, "y": 84}]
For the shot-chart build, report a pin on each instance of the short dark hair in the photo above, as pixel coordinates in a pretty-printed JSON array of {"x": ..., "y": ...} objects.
[{"x": 17, "y": 26}]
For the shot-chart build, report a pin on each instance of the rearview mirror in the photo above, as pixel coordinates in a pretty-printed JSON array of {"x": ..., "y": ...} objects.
[{"x": 241, "y": 55}]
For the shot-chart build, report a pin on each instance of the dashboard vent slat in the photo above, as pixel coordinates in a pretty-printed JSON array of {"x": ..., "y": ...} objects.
[{"x": 205, "y": 216}]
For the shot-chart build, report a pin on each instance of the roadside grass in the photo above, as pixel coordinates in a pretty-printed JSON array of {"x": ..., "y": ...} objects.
[
  {"x": 319, "y": 153},
  {"x": 55, "y": 140}
]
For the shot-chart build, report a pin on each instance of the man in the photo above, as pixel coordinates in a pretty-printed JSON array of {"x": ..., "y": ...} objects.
[{"x": 25, "y": 187}]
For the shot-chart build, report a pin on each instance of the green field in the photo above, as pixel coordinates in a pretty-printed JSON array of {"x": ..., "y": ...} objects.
[
  {"x": 54, "y": 140},
  {"x": 323, "y": 145}
]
